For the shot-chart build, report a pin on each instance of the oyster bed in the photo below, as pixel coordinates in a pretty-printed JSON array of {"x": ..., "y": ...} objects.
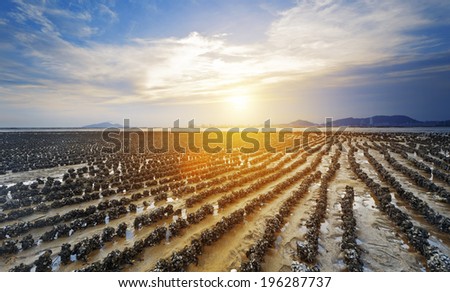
[{"x": 350, "y": 202}]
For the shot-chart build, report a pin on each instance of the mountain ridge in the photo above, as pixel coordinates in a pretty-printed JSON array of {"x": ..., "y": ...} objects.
[
  {"x": 301, "y": 123},
  {"x": 375, "y": 121},
  {"x": 102, "y": 125}
]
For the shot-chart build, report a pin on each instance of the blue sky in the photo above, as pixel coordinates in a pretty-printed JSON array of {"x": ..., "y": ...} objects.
[{"x": 71, "y": 63}]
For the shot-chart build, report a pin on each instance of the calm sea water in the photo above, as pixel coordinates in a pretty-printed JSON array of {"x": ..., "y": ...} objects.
[
  {"x": 349, "y": 129},
  {"x": 21, "y": 130},
  {"x": 401, "y": 130}
]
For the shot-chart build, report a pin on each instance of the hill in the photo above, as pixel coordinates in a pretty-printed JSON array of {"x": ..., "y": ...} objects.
[
  {"x": 301, "y": 124},
  {"x": 376, "y": 121},
  {"x": 102, "y": 125},
  {"x": 379, "y": 121}
]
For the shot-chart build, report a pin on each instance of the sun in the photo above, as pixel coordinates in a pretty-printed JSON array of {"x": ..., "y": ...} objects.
[{"x": 239, "y": 102}]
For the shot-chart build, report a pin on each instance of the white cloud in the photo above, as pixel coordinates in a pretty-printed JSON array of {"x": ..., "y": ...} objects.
[
  {"x": 333, "y": 33},
  {"x": 65, "y": 13},
  {"x": 35, "y": 13},
  {"x": 419, "y": 72},
  {"x": 313, "y": 38},
  {"x": 105, "y": 10}
]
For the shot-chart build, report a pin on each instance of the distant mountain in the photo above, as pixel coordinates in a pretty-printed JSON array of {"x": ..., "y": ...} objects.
[
  {"x": 376, "y": 121},
  {"x": 103, "y": 125},
  {"x": 379, "y": 121},
  {"x": 301, "y": 124}
]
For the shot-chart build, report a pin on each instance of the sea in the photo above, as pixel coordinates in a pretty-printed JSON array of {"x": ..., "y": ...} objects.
[{"x": 347, "y": 129}]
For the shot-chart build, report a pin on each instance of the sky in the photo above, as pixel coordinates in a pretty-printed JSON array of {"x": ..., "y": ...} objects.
[{"x": 73, "y": 63}]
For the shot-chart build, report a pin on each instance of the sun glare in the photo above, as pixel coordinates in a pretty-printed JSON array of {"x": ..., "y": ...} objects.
[{"x": 238, "y": 102}]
